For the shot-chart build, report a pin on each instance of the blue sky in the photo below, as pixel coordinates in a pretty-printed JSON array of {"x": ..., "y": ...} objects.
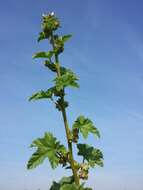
[{"x": 106, "y": 51}]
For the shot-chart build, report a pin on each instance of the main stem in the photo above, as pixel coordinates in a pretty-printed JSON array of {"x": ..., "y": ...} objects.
[
  {"x": 67, "y": 130},
  {"x": 76, "y": 178}
]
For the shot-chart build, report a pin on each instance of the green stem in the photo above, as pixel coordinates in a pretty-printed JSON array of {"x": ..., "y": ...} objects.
[
  {"x": 67, "y": 130},
  {"x": 76, "y": 178}
]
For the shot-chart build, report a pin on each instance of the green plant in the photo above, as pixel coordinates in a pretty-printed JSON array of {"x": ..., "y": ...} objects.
[{"x": 48, "y": 146}]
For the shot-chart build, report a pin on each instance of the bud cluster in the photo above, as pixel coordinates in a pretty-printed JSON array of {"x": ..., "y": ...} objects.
[
  {"x": 75, "y": 135},
  {"x": 59, "y": 44},
  {"x": 50, "y": 23},
  {"x": 83, "y": 171},
  {"x": 64, "y": 159}
]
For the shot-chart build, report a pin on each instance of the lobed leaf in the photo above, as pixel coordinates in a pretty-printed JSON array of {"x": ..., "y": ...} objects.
[
  {"x": 90, "y": 154},
  {"x": 73, "y": 187},
  {"x": 69, "y": 187},
  {"x": 47, "y": 147},
  {"x": 67, "y": 183},
  {"x": 55, "y": 186},
  {"x": 67, "y": 79},
  {"x": 67, "y": 180},
  {"x": 85, "y": 126},
  {"x": 64, "y": 181}
]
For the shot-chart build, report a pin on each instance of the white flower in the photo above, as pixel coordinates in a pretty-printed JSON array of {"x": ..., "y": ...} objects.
[
  {"x": 43, "y": 15},
  {"x": 52, "y": 13}
]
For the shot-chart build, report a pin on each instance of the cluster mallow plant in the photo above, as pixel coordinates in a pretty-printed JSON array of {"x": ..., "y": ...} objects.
[{"x": 48, "y": 147}]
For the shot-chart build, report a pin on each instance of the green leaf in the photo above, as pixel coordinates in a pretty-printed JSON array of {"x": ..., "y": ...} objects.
[
  {"x": 64, "y": 181},
  {"x": 69, "y": 187},
  {"x": 73, "y": 186},
  {"x": 43, "y": 54},
  {"x": 47, "y": 147},
  {"x": 90, "y": 154},
  {"x": 55, "y": 186},
  {"x": 42, "y": 36},
  {"x": 43, "y": 94},
  {"x": 67, "y": 79},
  {"x": 50, "y": 65},
  {"x": 66, "y": 38},
  {"x": 60, "y": 104},
  {"x": 85, "y": 126},
  {"x": 67, "y": 180},
  {"x": 65, "y": 70},
  {"x": 67, "y": 183}
]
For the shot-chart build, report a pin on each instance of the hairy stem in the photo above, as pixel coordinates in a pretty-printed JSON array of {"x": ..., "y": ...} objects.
[{"x": 67, "y": 130}]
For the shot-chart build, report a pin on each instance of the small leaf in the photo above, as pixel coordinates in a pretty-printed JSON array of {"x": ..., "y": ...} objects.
[
  {"x": 43, "y": 54},
  {"x": 59, "y": 45},
  {"x": 47, "y": 147},
  {"x": 60, "y": 104},
  {"x": 42, "y": 36},
  {"x": 50, "y": 65},
  {"x": 43, "y": 94},
  {"x": 65, "y": 70},
  {"x": 66, "y": 37},
  {"x": 67, "y": 79},
  {"x": 85, "y": 126},
  {"x": 90, "y": 154}
]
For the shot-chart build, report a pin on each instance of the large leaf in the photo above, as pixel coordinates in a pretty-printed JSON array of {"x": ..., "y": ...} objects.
[
  {"x": 47, "y": 147},
  {"x": 43, "y": 94},
  {"x": 67, "y": 180},
  {"x": 85, "y": 126},
  {"x": 67, "y": 79},
  {"x": 43, "y": 54},
  {"x": 69, "y": 187},
  {"x": 55, "y": 186},
  {"x": 90, "y": 154},
  {"x": 67, "y": 183},
  {"x": 64, "y": 181},
  {"x": 73, "y": 187}
]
